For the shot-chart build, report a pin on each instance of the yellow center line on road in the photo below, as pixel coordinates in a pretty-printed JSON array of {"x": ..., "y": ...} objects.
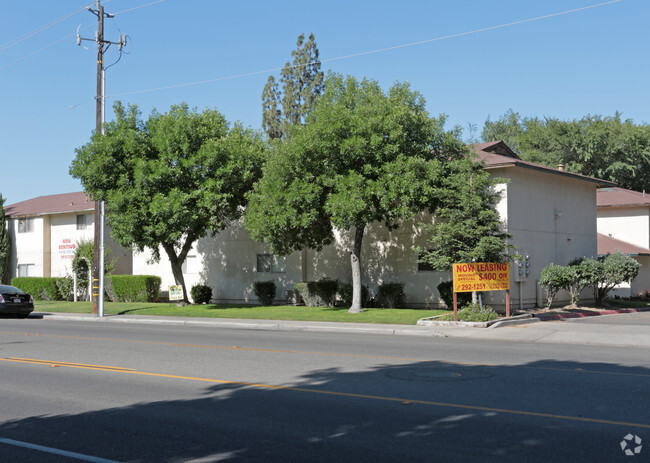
[
  {"x": 332, "y": 354},
  {"x": 330, "y": 393},
  {"x": 67, "y": 364}
]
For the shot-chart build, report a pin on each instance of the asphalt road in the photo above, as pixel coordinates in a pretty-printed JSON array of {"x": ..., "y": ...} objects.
[{"x": 151, "y": 393}]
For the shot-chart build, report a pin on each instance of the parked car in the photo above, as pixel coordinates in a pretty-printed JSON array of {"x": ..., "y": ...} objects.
[{"x": 14, "y": 301}]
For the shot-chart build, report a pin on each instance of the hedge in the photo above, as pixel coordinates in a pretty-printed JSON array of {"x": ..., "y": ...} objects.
[
  {"x": 345, "y": 292},
  {"x": 265, "y": 291},
  {"x": 132, "y": 288},
  {"x": 391, "y": 295},
  {"x": 321, "y": 293},
  {"x": 41, "y": 288}
]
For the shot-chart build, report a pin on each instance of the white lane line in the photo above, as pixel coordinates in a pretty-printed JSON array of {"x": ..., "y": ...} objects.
[{"x": 65, "y": 453}]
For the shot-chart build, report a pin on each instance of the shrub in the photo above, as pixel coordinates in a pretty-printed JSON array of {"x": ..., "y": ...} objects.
[
  {"x": 446, "y": 290},
  {"x": 474, "y": 313},
  {"x": 135, "y": 288},
  {"x": 319, "y": 293},
  {"x": 345, "y": 289},
  {"x": 41, "y": 288},
  {"x": 553, "y": 279},
  {"x": 201, "y": 294},
  {"x": 617, "y": 268},
  {"x": 391, "y": 294},
  {"x": 265, "y": 291},
  {"x": 65, "y": 288}
]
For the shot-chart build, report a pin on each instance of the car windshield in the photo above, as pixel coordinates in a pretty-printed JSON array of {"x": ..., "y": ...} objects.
[{"x": 10, "y": 289}]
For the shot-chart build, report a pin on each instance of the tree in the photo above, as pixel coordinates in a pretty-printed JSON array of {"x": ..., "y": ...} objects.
[
  {"x": 597, "y": 146},
  {"x": 170, "y": 180},
  {"x": 617, "y": 268},
  {"x": 554, "y": 278},
  {"x": 363, "y": 156},
  {"x": 467, "y": 226},
  {"x": 5, "y": 245},
  {"x": 302, "y": 82}
]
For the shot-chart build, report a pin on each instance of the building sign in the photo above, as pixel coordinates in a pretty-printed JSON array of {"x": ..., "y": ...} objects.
[
  {"x": 479, "y": 276},
  {"x": 67, "y": 248},
  {"x": 176, "y": 293}
]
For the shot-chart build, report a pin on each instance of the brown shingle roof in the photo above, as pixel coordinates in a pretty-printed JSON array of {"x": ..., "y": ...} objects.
[
  {"x": 620, "y": 197},
  {"x": 51, "y": 204},
  {"x": 497, "y": 154},
  {"x": 608, "y": 245}
]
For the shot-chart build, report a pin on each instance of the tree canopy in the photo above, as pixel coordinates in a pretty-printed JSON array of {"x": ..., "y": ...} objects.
[
  {"x": 5, "y": 245},
  {"x": 171, "y": 179},
  {"x": 300, "y": 83},
  {"x": 467, "y": 226},
  {"x": 363, "y": 156},
  {"x": 605, "y": 147}
]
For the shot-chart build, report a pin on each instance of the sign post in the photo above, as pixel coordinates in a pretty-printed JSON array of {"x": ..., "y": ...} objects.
[{"x": 481, "y": 276}]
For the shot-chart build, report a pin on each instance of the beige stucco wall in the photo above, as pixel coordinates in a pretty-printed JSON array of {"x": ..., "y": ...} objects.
[
  {"x": 553, "y": 217},
  {"x": 226, "y": 262},
  {"x": 629, "y": 224}
]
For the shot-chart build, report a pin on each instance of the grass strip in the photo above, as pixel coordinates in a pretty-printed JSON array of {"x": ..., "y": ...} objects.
[{"x": 252, "y": 312}]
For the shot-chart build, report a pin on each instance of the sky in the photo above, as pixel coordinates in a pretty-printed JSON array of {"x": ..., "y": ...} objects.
[{"x": 470, "y": 59}]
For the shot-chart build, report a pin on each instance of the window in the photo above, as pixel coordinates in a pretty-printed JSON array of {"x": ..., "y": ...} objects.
[
  {"x": 26, "y": 270},
  {"x": 424, "y": 266},
  {"x": 25, "y": 225},
  {"x": 190, "y": 265},
  {"x": 82, "y": 222},
  {"x": 270, "y": 263}
]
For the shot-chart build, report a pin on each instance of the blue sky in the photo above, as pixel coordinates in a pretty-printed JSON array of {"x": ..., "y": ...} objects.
[{"x": 592, "y": 61}]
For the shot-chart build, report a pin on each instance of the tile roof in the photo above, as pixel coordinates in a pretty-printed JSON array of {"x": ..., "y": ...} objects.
[
  {"x": 497, "y": 154},
  {"x": 607, "y": 244},
  {"x": 620, "y": 197},
  {"x": 51, "y": 204}
]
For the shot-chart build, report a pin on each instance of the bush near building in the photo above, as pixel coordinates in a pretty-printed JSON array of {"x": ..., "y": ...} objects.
[{"x": 133, "y": 288}]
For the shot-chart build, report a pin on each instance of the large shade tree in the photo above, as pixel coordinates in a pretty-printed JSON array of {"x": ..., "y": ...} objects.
[
  {"x": 363, "y": 156},
  {"x": 171, "y": 179},
  {"x": 606, "y": 147}
]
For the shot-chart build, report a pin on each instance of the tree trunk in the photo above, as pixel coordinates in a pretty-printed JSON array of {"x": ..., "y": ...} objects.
[
  {"x": 176, "y": 261},
  {"x": 355, "y": 259}
]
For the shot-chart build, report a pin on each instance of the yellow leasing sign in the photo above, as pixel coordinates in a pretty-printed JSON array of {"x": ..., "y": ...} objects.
[{"x": 478, "y": 276}]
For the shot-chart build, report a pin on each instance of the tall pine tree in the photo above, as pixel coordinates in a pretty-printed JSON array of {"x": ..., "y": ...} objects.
[
  {"x": 5, "y": 246},
  {"x": 288, "y": 103}
]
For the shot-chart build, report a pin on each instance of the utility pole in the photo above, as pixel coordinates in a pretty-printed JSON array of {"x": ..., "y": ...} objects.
[{"x": 98, "y": 260}]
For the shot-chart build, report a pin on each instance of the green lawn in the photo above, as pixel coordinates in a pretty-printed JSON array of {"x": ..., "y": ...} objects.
[{"x": 276, "y": 312}]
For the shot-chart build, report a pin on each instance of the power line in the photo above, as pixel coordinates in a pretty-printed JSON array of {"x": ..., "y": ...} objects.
[
  {"x": 41, "y": 49},
  {"x": 66, "y": 37},
  {"x": 268, "y": 71},
  {"x": 354, "y": 55},
  {"x": 24, "y": 37},
  {"x": 138, "y": 7}
]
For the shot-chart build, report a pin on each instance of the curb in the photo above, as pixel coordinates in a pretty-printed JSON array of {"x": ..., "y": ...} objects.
[
  {"x": 270, "y": 325},
  {"x": 595, "y": 313},
  {"x": 499, "y": 322}
]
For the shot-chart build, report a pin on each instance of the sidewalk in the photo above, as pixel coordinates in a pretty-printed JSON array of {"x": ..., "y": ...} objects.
[{"x": 533, "y": 331}]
